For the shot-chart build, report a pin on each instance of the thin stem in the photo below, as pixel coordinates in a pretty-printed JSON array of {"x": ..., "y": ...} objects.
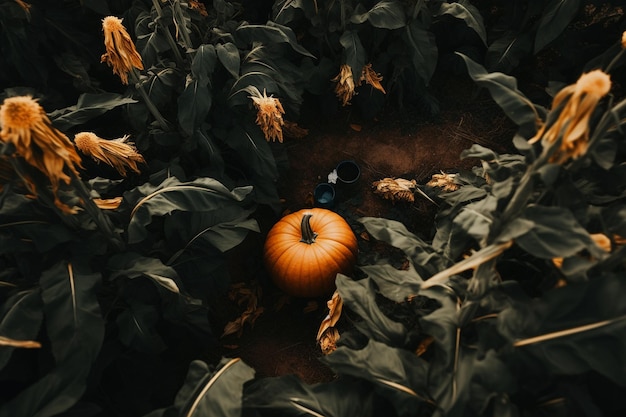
[
  {"x": 168, "y": 34},
  {"x": 151, "y": 107}
]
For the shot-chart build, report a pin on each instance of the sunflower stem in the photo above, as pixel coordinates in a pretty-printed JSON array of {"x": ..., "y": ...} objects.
[
  {"x": 168, "y": 34},
  {"x": 151, "y": 107}
]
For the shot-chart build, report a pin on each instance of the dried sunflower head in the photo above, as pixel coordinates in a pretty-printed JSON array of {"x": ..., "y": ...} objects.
[
  {"x": 396, "y": 189},
  {"x": 443, "y": 181},
  {"x": 269, "y": 115},
  {"x": 578, "y": 102},
  {"x": 372, "y": 78},
  {"x": 25, "y": 124},
  {"x": 344, "y": 89},
  {"x": 121, "y": 53},
  {"x": 118, "y": 153}
]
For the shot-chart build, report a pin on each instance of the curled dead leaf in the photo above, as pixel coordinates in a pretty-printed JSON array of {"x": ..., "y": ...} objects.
[{"x": 335, "y": 305}]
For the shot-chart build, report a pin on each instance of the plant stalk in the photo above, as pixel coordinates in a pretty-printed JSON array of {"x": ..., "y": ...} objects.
[
  {"x": 308, "y": 235},
  {"x": 151, "y": 107}
]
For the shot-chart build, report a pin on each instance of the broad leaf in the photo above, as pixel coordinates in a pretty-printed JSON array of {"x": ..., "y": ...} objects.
[
  {"x": 422, "y": 50},
  {"x": 290, "y": 396},
  {"x": 228, "y": 55},
  {"x": 132, "y": 265},
  {"x": 503, "y": 89},
  {"x": 194, "y": 103},
  {"x": 86, "y": 108},
  {"x": 555, "y": 234},
  {"x": 270, "y": 33},
  {"x": 75, "y": 328},
  {"x": 557, "y": 15},
  {"x": 399, "y": 374},
  {"x": 202, "y": 194},
  {"x": 386, "y": 14},
  {"x": 354, "y": 52},
  {"x": 210, "y": 392},
  {"x": 21, "y": 317},
  {"x": 571, "y": 330},
  {"x": 467, "y": 12},
  {"x": 150, "y": 41},
  {"x": 137, "y": 327},
  {"x": 359, "y": 296},
  {"x": 505, "y": 53}
]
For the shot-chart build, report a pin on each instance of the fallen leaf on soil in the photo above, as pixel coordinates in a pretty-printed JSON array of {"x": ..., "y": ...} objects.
[
  {"x": 443, "y": 181},
  {"x": 250, "y": 297},
  {"x": 292, "y": 130},
  {"x": 355, "y": 127}
]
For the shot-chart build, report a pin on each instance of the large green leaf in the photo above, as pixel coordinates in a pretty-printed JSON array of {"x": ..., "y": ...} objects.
[
  {"x": 132, "y": 265},
  {"x": 359, "y": 296},
  {"x": 75, "y": 328},
  {"x": 354, "y": 52},
  {"x": 386, "y": 14},
  {"x": 210, "y": 392},
  {"x": 285, "y": 12},
  {"x": 228, "y": 54},
  {"x": 503, "y": 89},
  {"x": 290, "y": 396},
  {"x": 21, "y": 316},
  {"x": 557, "y": 15},
  {"x": 43, "y": 235},
  {"x": 86, "y": 108},
  {"x": 422, "y": 49},
  {"x": 194, "y": 103},
  {"x": 151, "y": 42},
  {"x": 555, "y": 234},
  {"x": 223, "y": 229},
  {"x": 426, "y": 260},
  {"x": 137, "y": 327},
  {"x": 506, "y": 52},
  {"x": 202, "y": 194},
  {"x": 571, "y": 330},
  {"x": 399, "y": 374},
  {"x": 271, "y": 33},
  {"x": 464, "y": 10}
]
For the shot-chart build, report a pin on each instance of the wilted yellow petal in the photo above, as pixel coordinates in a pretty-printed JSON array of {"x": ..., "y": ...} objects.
[
  {"x": 269, "y": 115},
  {"x": 372, "y": 78},
  {"x": 344, "y": 89},
  {"x": 118, "y": 153},
  {"x": 335, "y": 306},
  {"x": 328, "y": 341},
  {"x": 121, "y": 53},
  {"x": 26, "y": 125},
  {"x": 602, "y": 241},
  {"x": 108, "y": 203}
]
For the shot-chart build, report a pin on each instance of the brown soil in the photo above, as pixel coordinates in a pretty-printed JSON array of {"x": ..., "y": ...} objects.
[{"x": 401, "y": 143}]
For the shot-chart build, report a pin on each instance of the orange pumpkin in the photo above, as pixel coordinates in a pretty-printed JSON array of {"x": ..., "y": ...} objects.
[{"x": 305, "y": 250}]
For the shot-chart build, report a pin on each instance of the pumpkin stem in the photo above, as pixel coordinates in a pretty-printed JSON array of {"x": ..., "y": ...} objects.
[{"x": 308, "y": 235}]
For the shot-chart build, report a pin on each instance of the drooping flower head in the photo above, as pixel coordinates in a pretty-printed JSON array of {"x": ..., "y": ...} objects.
[
  {"x": 25, "y": 124},
  {"x": 578, "y": 101},
  {"x": 344, "y": 89},
  {"x": 118, "y": 153},
  {"x": 345, "y": 85},
  {"x": 121, "y": 53},
  {"x": 269, "y": 115},
  {"x": 372, "y": 78}
]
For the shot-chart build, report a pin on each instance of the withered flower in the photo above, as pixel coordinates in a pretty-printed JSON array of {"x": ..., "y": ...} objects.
[
  {"x": 269, "y": 115},
  {"x": 26, "y": 125},
  {"x": 344, "y": 89},
  {"x": 443, "y": 181},
  {"x": 121, "y": 53},
  {"x": 199, "y": 7},
  {"x": 578, "y": 101},
  {"x": 396, "y": 189},
  {"x": 372, "y": 78},
  {"x": 118, "y": 153}
]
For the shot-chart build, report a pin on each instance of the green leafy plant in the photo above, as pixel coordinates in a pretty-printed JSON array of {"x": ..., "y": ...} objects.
[{"x": 395, "y": 37}]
